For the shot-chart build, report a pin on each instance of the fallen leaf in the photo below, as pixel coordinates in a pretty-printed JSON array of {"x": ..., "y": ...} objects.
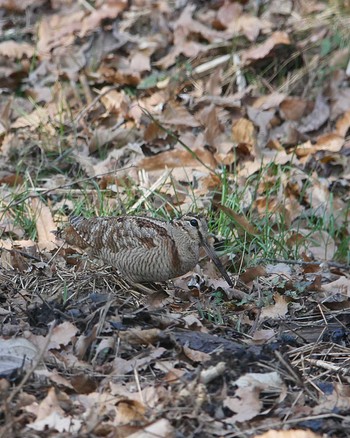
[
  {"x": 50, "y": 415},
  {"x": 261, "y": 337},
  {"x": 243, "y": 131},
  {"x": 264, "y": 49},
  {"x": 292, "y": 433},
  {"x": 318, "y": 116},
  {"x": 342, "y": 125},
  {"x": 36, "y": 118},
  {"x": 340, "y": 286},
  {"x": 45, "y": 225},
  {"x": 178, "y": 158},
  {"x": 130, "y": 411},
  {"x": 246, "y": 403},
  {"x": 277, "y": 310},
  {"x": 293, "y": 108},
  {"x": 240, "y": 220},
  {"x": 16, "y": 50},
  {"x": 330, "y": 142},
  {"x": 160, "y": 428},
  {"x": 175, "y": 114},
  {"x": 251, "y": 274},
  {"x": 115, "y": 102},
  {"x": 61, "y": 335},
  {"x": 270, "y": 101}
]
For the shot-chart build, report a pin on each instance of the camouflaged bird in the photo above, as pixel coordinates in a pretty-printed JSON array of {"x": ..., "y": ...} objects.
[{"x": 144, "y": 249}]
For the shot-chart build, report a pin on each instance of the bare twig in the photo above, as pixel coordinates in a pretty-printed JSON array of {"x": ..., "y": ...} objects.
[{"x": 331, "y": 264}]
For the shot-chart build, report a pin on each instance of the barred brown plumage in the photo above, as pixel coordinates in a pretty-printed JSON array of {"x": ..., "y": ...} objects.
[{"x": 144, "y": 249}]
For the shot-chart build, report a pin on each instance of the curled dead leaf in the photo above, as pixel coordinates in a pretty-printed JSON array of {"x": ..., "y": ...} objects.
[
  {"x": 45, "y": 225},
  {"x": 262, "y": 50},
  {"x": 243, "y": 131},
  {"x": 240, "y": 220},
  {"x": 252, "y": 273}
]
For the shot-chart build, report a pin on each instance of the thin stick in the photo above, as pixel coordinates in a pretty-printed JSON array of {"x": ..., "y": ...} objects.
[{"x": 300, "y": 262}]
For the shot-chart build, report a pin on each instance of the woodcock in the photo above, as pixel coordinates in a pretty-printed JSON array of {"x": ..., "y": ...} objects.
[{"x": 144, "y": 249}]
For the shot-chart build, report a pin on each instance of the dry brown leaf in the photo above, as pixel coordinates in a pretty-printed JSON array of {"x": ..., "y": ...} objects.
[
  {"x": 230, "y": 16},
  {"x": 56, "y": 30},
  {"x": 178, "y": 158},
  {"x": 280, "y": 269},
  {"x": 105, "y": 10},
  {"x": 340, "y": 286},
  {"x": 140, "y": 62},
  {"x": 130, "y": 411},
  {"x": 84, "y": 342},
  {"x": 176, "y": 114},
  {"x": 331, "y": 142},
  {"x": 293, "y": 108},
  {"x": 55, "y": 377},
  {"x": 20, "y": 5},
  {"x": 269, "y": 101},
  {"x": 229, "y": 13},
  {"x": 262, "y": 119},
  {"x": 83, "y": 384},
  {"x": 60, "y": 30},
  {"x": 281, "y": 8},
  {"x": 10, "y": 244},
  {"x": 45, "y": 225},
  {"x": 160, "y": 428},
  {"x": 38, "y": 117},
  {"x": 51, "y": 416},
  {"x": 11, "y": 179},
  {"x": 293, "y": 433},
  {"x": 122, "y": 366},
  {"x": 149, "y": 394},
  {"x": 183, "y": 27},
  {"x": 262, "y": 50},
  {"x": 13, "y": 49},
  {"x": 61, "y": 335},
  {"x": 343, "y": 124},
  {"x": 210, "y": 119},
  {"x": 250, "y": 26},
  {"x": 338, "y": 398},
  {"x": 261, "y": 337},
  {"x": 305, "y": 149},
  {"x": 140, "y": 337},
  {"x": 115, "y": 102},
  {"x": 319, "y": 115},
  {"x": 12, "y": 259},
  {"x": 243, "y": 131},
  {"x": 252, "y": 273},
  {"x": 277, "y": 310},
  {"x": 195, "y": 355},
  {"x": 239, "y": 220},
  {"x": 246, "y": 403},
  {"x": 340, "y": 103}
]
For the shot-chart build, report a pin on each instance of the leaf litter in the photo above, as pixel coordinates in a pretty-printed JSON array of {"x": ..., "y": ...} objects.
[{"x": 232, "y": 109}]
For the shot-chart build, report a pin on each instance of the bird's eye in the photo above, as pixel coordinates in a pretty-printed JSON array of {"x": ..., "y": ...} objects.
[{"x": 194, "y": 223}]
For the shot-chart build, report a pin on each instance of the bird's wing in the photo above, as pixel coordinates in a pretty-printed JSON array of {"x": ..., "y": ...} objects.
[{"x": 115, "y": 233}]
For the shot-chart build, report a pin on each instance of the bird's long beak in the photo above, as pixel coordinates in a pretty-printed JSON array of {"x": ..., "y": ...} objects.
[{"x": 211, "y": 254}]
